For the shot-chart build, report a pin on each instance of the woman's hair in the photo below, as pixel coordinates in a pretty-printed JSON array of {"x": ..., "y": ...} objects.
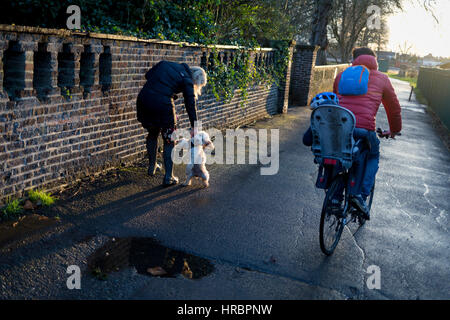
[
  {"x": 199, "y": 78},
  {"x": 363, "y": 51}
]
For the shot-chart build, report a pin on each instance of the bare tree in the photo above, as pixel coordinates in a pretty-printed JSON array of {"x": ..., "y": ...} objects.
[
  {"x": 350, "y": 19},
  {"x": 377, "y": 37},
  {"x": 319, "y": 34},
  {"x": 429, "y": 6},
  {"x": 405, "y": 48}
]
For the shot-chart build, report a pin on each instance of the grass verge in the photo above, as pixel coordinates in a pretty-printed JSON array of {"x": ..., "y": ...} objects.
[{"x": 412, "y": 81}]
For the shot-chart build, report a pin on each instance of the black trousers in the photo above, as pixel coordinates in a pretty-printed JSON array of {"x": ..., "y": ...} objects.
[
  {"x": 153, "y": 133},
  {"x": 152, "y": 148}
]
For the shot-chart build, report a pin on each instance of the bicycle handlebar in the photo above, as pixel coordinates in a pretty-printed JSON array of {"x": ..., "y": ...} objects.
[{"x": 386, "y": 133}]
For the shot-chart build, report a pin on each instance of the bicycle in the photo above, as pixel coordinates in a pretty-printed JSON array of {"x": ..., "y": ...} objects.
[{"x": 336, "y": 151}]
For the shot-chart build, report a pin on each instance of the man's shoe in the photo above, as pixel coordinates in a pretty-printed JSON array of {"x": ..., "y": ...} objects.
[{"x": 359, "y": 203}]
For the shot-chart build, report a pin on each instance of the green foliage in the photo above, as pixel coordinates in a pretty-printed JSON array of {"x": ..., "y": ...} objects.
[
  {"x": 241, "y": 72},
  {"x": 245, "y": 23},
  {"x": 204, "y": 21},
  {"x": 178, "y": 20},
  {"x": 66, "y": 93},
  {"x": 38, "y": 195},
  {"x": 98, "y": 274},
  {"x": 12, "y": 209}
]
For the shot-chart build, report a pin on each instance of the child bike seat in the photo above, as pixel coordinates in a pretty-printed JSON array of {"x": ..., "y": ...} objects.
[{"x": 332, "y": 130}]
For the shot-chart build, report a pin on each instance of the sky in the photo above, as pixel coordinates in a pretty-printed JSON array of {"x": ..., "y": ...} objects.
[{"x": 418, "y": 28}]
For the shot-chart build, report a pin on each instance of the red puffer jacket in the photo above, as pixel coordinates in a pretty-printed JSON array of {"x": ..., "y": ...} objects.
[{"x": 365, "y": 107}]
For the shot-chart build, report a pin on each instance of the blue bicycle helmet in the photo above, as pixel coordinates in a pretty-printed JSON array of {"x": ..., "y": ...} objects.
[{"x": 324, "y": 98}]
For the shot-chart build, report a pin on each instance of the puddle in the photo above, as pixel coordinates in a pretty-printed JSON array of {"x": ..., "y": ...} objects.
[
  {"x": 148, "y": 257},
  {"x": 25, "y": 225}
]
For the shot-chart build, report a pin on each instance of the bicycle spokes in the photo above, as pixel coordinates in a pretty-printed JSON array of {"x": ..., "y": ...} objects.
[
  {"x": 333, "y": 218},
  {"x": 332, "y": 226}
]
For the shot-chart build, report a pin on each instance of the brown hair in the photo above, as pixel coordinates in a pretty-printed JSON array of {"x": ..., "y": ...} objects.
[{"x": 362, "y": 51}]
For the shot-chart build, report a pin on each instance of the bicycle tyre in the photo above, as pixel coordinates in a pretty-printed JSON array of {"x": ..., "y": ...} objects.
[{"x": 329, "y": 249}]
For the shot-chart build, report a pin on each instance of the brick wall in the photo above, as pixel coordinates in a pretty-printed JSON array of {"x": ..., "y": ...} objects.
[
  {"x": 303, "y": 62},
  {"x": 67, "y": 103}
]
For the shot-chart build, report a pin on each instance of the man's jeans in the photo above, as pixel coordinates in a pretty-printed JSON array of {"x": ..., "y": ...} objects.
[{"x": 373, "y": 159}]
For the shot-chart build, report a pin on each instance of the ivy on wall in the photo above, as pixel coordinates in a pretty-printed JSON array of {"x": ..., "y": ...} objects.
[
  {"x": 177, "y": 20},
  {"x": 244, "y": 68}
]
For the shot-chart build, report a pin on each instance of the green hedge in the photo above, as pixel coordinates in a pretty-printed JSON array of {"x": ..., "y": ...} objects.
[{"x": 188, "y": 20}]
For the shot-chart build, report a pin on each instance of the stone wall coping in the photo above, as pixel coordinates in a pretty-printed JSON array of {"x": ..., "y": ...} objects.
[
  {"x": 331, "y": 66},
  {"x": 69, "y": 33}
]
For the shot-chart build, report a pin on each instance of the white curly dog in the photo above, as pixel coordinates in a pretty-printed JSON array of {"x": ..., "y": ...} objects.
[{"x": 196, "y": 166}]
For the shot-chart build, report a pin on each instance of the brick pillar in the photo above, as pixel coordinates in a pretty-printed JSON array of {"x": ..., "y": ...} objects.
[
  {"x": 54, "y": 77},
  {"x": 283, "y": 89},
  {"x": 29, "y": 69},
  {"x": 77, "y": 49},
  {"x": 303, "y": 62},
  {"x": 28, "y": 45},
  {"x": 97, "y": 49}
]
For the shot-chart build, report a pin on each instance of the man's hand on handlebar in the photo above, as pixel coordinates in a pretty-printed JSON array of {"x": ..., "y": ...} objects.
[
  {"x": 393, "y": 134},
  {"x": 387, "y": 134}
]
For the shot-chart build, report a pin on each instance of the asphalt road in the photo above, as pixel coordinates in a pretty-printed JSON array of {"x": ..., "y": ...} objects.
[{"x": 261, "y": 233}]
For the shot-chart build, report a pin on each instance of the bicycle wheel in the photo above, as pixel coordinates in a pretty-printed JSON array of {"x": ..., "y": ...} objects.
[{"x": 331, "y": 222}]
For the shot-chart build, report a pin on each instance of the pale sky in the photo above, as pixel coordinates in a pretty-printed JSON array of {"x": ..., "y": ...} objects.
[{"x": 418, "y": 27}]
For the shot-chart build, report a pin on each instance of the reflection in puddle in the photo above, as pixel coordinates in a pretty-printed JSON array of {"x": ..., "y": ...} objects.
[
  {"x": 148, "y": 257},
  {"x": 24, "y": 226}
]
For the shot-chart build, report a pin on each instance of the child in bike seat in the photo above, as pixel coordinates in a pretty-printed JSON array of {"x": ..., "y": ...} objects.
[{"x": 320, "y": 99}]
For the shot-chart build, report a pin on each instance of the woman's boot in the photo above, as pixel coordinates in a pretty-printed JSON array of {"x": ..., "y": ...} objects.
[
  {"x": 169, "y": 178},
  {"x": 152, "y": 148}
]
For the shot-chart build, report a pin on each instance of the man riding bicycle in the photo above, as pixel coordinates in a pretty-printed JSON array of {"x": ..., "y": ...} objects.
[{"x": 365, "y": 107}]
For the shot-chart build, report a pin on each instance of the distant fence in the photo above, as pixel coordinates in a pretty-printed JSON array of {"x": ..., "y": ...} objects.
[{"x": 434, "y": 84}]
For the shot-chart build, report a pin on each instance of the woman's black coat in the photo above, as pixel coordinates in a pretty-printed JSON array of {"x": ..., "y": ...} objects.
[{"x": 155, "y": 102}]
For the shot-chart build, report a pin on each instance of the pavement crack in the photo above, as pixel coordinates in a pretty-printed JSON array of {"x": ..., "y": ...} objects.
[
  {"x": 399, "y": 204},
  {"x": 363, "y": 255},
  {"x": 427, "y": 191},
  {"x": 441, "y": 218}
]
